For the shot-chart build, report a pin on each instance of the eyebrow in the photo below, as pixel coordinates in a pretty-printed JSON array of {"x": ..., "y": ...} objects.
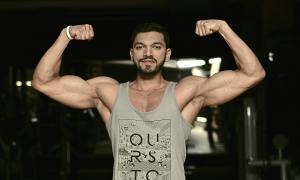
[{"x": 155, "y": 43}]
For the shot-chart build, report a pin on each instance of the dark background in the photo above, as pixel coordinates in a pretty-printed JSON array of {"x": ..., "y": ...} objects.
[{"x": 28, "y": 28}]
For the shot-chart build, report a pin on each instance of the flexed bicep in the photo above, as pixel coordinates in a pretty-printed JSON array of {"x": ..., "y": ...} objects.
[
  {"x": 70, "y": 90},
  {"x": 224, "y": 86}
]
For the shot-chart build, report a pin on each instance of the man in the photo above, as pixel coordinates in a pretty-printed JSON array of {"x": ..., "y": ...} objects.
[{"x": 148, "y": 119}]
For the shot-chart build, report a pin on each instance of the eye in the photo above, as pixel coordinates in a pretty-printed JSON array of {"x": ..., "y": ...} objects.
[
  {"x": 157, "y": 47},
  {"x": 139, "y": 46}
]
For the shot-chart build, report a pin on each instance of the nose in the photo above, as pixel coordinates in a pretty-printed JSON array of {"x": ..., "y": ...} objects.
[{"x": 148, "y": 51}]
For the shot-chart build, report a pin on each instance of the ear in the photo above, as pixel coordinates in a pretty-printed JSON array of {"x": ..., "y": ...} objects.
[
  {"x": 130, "y": 53},
  {"x": 168, "y": 54}
]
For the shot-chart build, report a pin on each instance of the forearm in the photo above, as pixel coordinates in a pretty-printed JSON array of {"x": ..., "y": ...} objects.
[
  {"x": 49, "y": 66},
  {"x": 246, "y": 60}
]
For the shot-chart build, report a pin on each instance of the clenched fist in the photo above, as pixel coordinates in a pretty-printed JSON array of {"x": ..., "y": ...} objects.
[
  {"x": 207, "y": 27},
  {"x": 81, "y": 32}
]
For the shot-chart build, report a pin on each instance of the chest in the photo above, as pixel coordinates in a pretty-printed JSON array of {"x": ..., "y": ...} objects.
[{"x": 146, "y": 101}]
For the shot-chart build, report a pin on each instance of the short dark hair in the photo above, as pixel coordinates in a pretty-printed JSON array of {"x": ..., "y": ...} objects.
[{"x": 150, "y": 27}]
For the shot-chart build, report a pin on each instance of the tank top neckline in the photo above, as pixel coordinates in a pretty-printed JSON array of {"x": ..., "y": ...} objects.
[{"x": 153, "y": 110}]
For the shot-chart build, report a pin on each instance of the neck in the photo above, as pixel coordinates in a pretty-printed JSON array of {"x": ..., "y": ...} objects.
[{"x": 147, "y": 82}]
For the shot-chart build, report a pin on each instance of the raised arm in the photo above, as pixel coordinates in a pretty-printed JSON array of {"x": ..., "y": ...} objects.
[
  {"x": 225, "y": 85},
  {"x": 69, "y": 90}
]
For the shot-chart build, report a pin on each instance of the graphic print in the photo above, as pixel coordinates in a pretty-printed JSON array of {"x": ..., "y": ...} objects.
[{"x": 144, "y": 150}]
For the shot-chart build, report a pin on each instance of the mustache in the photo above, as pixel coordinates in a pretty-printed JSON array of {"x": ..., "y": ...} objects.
[{"x": 148, "y": 57}]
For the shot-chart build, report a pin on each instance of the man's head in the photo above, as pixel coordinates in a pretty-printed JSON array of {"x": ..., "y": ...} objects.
[
  {"x": 151, "y": 27},
  {"x": 150, "y": 47}
]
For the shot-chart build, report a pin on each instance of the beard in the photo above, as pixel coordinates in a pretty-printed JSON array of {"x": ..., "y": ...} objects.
[{"x": 149, "y": 69}]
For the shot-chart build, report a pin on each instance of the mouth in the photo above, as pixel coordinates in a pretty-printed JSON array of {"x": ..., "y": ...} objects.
[{"x": 148, "y": 61}]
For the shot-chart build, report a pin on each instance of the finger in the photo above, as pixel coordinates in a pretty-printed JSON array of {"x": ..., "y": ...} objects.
[
  {"x": 198, "y": 28},
  {"x": 81, "y": 33},
  {"x": 84, "y": 35},
  {"x": 202, "y": 28},
  {"x": 89, "y": 34},
  {"x": 91, "y": 31},
  {"x": 86, "y": 32}
]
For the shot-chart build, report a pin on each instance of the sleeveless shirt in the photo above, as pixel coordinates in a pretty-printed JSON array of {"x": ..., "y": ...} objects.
[{"x": 148, "y": 145}]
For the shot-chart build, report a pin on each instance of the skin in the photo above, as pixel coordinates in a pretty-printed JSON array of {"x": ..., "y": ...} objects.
[{"x": 148, "y": 53}]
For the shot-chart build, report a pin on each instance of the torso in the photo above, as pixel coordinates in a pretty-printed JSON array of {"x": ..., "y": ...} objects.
[{"x": 147, "y": 100}]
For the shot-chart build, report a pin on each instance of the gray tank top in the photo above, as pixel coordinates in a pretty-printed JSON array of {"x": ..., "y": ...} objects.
[{"x": 148, "y": 145}]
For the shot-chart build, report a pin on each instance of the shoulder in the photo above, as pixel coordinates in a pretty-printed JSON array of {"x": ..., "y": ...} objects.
[
  {"x": 187, "y": 88},
  {"x": 103, "y": 80},
  {"x": 190, "y": 82},
  {"x": 104, "y": 86}
]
